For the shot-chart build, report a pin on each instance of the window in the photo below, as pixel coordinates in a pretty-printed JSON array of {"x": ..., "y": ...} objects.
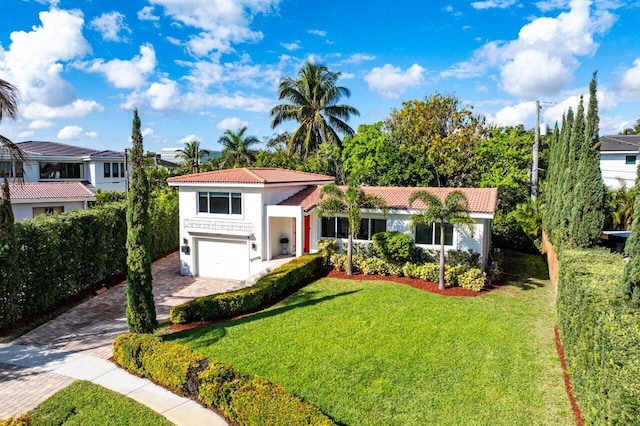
[
  {"x": 107, "y": 170},
  {"x": 62, "y": 171},
  {"x": 630, "y": 159},
  {"x": 122, "y": 170},
  {"x": 220, "y": 202},
  {"x": 338, "y": 227},
  {"x": 47, "y": 210},
  {"x": 114, "y": 169},
  {"x": 430, "y": 235},
  {"x": 11, "y": 170}
]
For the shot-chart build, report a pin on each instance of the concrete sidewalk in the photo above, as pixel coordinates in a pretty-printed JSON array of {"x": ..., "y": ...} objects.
[{"x": 78, "y": 366}]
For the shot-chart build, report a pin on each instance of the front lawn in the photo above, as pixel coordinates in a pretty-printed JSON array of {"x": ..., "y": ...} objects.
[{"x": 371, "y": 352}]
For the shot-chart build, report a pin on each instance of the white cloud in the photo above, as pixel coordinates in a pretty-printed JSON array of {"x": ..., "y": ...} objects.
[
  {"x": 190, "y": 138},
  {"x": 110, "y": 25},
  {"x": 40, "y": 124},
  {"x": 146, "y": 14},
  {"x": 126, "y": 74},
  {"x": 78, "y": 108},
  {"x": 26, "y": 134},
  {"x": 70, "y": 132},
  {"x": 391, "y": 82},
  {"x": 232, "y": 123},
  {"x": 515, "y": 114},
  {"x": 493, "y": 4},
  {"x": 291, "y": 46},
  {"x": 163, "y": 96},
  {"x": 357, "y": 58},
  {"x": 222, "y": 23},
  {"x": 147, "y": 132},
  {"x": 542, "y": 60},
  {"x": 319, "y": 33},
  {"x": 630, "y": 82}
]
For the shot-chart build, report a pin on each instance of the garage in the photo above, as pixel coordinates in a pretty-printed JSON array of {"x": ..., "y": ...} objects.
[{"x": 228, "y": 259}]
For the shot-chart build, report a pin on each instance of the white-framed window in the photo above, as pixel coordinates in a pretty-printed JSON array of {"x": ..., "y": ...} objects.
[
  {"x": 48, "y": 210},
  {"x": 430, "y": 235},
  {"x": 220, "y": 202},
  {"x": 56, "y": 170},
  {"x": 338, "y": 227},
  {"x": 113, "y": 170}
]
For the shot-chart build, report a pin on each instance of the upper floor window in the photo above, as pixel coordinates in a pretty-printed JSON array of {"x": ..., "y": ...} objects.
[
  {"x": 431, "y": 234},
  {"x": 113, "y": 170},
  {"x": 630, "y": 159},
  {"x": 220, "y": 202},
  {"x": 11, "y": 169},
  {"x": 107, "y": 169},
  {"x": 61, "y": 170}
]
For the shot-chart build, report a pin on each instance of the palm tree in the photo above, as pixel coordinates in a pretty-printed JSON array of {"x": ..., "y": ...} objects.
[
  {"x": 9, "y": 95},
  {"x": 192, "y": 155},
  {"x": 313, "y": 103},
  {"x": 454, "y": 211},
  {"x": 348, "y": 201},
  {"x": 620, "y": 202},
  {"x": 236, "y": 147}
]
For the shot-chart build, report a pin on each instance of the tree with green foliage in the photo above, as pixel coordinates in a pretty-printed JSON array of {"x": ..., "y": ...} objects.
[
  {"x": 350, "y": 200},
  {"x": 551, "y": 183},
  {"x": 237, "y": 150},
  {"x": 620, "y": 207},
  {"x": 630, "y": 284},
  {"x": 141, "y": 310},
  {"x": 9, "y": 95},
  {"x": 589, "y": 193},
  {"x": 313, "y": 102},
  {"x": 454, "y": 211},
  {"x": 445, "y": 131},
  {"x": 192, "y": 156},
  {"x": 8, "y": 259},
  {"x": 570, "y": 177},
  {"x": 635, "y": 130}
]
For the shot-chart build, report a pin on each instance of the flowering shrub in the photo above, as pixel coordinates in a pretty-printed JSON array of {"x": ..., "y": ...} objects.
[{"x": 473, "y": 279}]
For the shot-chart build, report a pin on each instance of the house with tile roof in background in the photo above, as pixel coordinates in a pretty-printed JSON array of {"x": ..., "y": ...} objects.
[
  {"x": 231, "y": 221},
  {"x": 59, "y": 177},
  {"x": 619, "y": 160}
]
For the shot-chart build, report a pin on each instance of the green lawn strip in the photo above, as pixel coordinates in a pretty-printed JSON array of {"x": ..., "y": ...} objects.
[
  {"x": 84, "y": 403},
  {"x": 384, "y": 353}
]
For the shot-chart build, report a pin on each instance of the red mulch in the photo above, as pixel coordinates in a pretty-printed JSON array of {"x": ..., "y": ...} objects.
[
  {"x": 413, "y": 282},
  {"x": 577, "y": 414},
  {"x": 190, "y": 326}
]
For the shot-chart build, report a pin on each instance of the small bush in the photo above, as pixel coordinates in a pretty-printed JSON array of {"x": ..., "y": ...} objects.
[
  {"x": 394, "y": 246},
  {"x": 411, "y": 270},
  {"x": 429, "y": 272},
  {"x": 374, "y": 266},
  {"x": 421, "y": 255},
  {"x": 16, "y": 421},
  {"x": 468, "y": 259},
  {"x": 268, "y": 289},
  {"x": 474, "y": 279},
  {"x": 451, "y": 274},
  {"x": 327, "y": 248}
]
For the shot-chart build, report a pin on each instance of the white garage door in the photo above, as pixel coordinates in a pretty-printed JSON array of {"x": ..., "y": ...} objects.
[{"x": 227, "y": 259}]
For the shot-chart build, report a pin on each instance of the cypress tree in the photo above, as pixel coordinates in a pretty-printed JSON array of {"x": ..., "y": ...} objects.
[
  {"x": 141, "y": 310},
  {"x": 8, "y": 260},
  {"x": 587, "y": 218},
  {"x": 550, "y": 195},
  {"x": 566, "y": 165}
]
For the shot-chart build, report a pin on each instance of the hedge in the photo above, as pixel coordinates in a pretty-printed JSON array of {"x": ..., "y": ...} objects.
[
  {"x": 241, "y": 398},
  {"x": 61, "y": 256},
  {"x": 268, "y": 289},
  {"x": 600, "y": 333}
]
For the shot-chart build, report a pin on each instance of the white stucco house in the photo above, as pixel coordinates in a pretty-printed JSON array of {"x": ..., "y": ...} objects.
[
  {"x": 619, "y": 160},
  {"x": 231, "y": 220},
  {"x": 30, "y": 199},
  {"x": 57, "y": 162}
]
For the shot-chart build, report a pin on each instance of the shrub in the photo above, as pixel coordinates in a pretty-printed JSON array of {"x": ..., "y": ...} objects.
[
  {"x": 411, "y": 270},
  {"x": 600, "y": 333},
  {"x": 242, "y": 399},
  {"x": 429, "y": 272},
  {"x": 394, "y": 246},
  {"x": 474, "y": 279},
  {"x": 374, "y": 266},
  {"x": 16, "y": 421},
  {"x": 268, "y": 289},
  {"x": 468, "y": 259},
  {"x": 339, "y": 262},
  {"x": 421, "y": 255},
  {"x": 327, "y": 248},
  {"x": 451, "y": 274}
]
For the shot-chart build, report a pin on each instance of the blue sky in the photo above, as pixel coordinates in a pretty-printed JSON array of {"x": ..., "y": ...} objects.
[{"x": 194, "y": 68}]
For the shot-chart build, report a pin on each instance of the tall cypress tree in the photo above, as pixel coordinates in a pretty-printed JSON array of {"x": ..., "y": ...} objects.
[
  {"x": 587, "y": 216},
  {"x": 550, "y": 192},
  {"x": 567, "y": 170},
  {"x": 141, "y": 310},
  {"x": 8, "y": 260}
]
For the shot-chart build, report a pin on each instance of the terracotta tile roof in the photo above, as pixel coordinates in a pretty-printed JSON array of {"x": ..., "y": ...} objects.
[
  {"x": 252, "y": 175},
  {"x": 481, "y": 200},
  {"x": 44, "y": 190}
]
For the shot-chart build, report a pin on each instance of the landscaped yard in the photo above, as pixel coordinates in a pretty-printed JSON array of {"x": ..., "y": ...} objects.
[{"x": 372, "y": 352}]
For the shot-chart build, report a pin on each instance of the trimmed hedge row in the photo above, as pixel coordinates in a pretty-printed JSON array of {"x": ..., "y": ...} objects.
[
  {"x": 268, "y": 289},
  {"x": 62, "y": 255},
  {"x": 600, "y": 333},
  {"x": 241, "y": 398}
]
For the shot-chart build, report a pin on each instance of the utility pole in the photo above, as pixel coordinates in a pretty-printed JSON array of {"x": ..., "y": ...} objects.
[{"x": 534, "y": 163}]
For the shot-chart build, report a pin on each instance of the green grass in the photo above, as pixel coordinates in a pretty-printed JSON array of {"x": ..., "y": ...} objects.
[
  {"x": 84, "y": 403},
  {"x": 371, "y": 353}
]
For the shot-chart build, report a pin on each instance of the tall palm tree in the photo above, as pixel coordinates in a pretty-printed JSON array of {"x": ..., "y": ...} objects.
[
  {"x": 236, "y": 151},
  {"x": 313, "y": 102},
  {"x": 620, "y": 202},
  {"x": 348, "y": 201},
  {"x": 192, "y": 155},
  {"x": 454, "y": 211},
  {"x": 9, "y": 95}
]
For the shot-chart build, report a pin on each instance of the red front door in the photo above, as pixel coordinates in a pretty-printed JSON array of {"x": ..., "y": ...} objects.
[{"x": 307, "y": 234}]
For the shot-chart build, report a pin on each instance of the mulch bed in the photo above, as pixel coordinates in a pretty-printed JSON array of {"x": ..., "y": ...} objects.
[
  {"x": 577, "y": 414},
  {"x": 413, "y": 282}
]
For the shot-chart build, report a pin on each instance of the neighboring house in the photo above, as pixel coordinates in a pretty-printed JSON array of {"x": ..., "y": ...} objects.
[
  {"x": 56, "y": 162},
  {"x": 230, "y": 220},
  {"x": 30, "y": 199},
  {"x": 619, "y": 160}
]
